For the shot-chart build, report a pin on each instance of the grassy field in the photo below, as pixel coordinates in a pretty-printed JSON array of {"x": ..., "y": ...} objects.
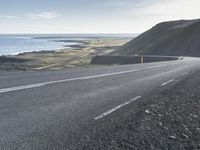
[{"x": 76, "y": 56}]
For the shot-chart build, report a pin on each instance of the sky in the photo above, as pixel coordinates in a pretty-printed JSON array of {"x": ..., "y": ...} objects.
[{"x": 91, "y": 16}]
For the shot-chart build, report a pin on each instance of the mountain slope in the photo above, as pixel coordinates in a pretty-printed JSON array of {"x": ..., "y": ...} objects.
[{"x": 168, "y": 38}]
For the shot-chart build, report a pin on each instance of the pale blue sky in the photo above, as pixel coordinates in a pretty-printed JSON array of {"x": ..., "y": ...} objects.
[{"x": 91, "y": 16}]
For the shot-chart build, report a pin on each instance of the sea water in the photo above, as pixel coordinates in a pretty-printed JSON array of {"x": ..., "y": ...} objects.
[
  {"x": 19, "y": 43},
  {"x": 16, "y": 44}
]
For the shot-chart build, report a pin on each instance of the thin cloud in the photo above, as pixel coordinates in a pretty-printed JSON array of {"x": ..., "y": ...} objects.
[
  {"x": 168, "y": 10},
  {"x": 44, "y": 15},
  {"x": 8, "y": 17},
  {"x": 118, "y": 4}
]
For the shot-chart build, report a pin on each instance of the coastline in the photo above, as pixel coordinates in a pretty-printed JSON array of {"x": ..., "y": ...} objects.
[{"x": 71, "y": 56}]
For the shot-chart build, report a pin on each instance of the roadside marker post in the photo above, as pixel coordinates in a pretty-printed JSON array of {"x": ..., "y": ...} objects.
[{"x": 142, "y": 59}]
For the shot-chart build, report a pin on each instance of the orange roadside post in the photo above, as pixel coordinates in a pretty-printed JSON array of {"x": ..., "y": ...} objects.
[{"x": 142, "y": 59}]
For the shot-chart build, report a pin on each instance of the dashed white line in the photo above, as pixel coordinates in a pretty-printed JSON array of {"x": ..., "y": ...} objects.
[
  {"x": 116, "y": 108},
  {"x": 167, "y": 82},
  {"x": 17, "y": 88}
]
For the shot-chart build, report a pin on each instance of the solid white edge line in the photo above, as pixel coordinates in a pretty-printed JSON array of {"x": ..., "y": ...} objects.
[
  {"x": 116, "y": 108},
  {"x": 167, "y": 82},
  {"x": 22, "y": 87},
  {"x": 17, "y": 88}
]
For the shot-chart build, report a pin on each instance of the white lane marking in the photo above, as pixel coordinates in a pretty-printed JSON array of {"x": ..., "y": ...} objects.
[
  {"x": 116, "y": 108},
  {"x": 17, "y": 88},
  {"x": 167, "y": 82}
]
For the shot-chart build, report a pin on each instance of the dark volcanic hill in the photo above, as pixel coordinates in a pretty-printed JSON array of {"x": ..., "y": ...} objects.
[{"x": 179, "y": 38}]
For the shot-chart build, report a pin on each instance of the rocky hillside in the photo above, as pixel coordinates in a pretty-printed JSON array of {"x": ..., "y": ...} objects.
[{"x": 179, "y": 38}]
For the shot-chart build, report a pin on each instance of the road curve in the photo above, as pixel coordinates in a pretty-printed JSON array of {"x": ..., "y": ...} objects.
[{"x": 60, "y": 109}]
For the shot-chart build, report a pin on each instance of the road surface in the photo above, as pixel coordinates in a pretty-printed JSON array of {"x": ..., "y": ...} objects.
[{"x": 61, "y": 109}]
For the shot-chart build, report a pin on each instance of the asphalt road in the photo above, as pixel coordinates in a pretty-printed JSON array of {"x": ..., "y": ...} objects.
[{"x": 61, "y": 109}]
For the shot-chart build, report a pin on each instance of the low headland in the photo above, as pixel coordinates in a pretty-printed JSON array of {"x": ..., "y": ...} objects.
[{"x": 79, "y": 55}]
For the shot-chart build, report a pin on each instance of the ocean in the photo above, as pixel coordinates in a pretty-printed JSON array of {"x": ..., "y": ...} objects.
[{"x": 18, "y": 43}]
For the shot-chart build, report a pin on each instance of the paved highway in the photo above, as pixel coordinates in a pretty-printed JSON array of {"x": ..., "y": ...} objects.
[{"x": 63, "y": 109}]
